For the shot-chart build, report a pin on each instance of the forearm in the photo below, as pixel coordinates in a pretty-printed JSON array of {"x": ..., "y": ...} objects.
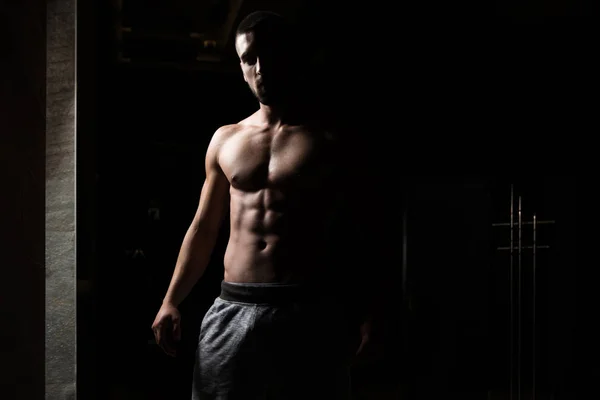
[{"x": 192, "y": 261}]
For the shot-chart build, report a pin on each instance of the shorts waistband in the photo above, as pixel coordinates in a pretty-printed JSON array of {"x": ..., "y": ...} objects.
[{"x": 268, "y": 293}]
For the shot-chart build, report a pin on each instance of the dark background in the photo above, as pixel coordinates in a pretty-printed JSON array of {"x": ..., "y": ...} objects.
[{"x": 448, "y": 103}]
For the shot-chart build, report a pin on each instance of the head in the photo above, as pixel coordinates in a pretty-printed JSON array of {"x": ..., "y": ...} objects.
[{"x": 267, "y": 49}]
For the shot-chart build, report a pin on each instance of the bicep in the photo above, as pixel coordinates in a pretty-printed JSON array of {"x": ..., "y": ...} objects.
[{"x": 214, "y": 197}]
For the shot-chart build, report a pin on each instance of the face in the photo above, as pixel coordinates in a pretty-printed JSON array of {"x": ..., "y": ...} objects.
[{"x": 266, "y": 70}]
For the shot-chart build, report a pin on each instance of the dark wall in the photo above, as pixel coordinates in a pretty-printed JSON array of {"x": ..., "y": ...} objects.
[
  {"x": 448, "y": 273},
  {"x": 22, "y": 220},
  {"x": 461, "y": 90}
]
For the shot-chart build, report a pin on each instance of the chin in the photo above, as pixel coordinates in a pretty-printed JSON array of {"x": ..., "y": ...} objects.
[
  {"x": 265, "y": 101},
  {"x": 268, "y": 97}
]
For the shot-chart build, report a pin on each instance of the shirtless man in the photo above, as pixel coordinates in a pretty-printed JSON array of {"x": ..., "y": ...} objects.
[{"x": 273, "y": 333}]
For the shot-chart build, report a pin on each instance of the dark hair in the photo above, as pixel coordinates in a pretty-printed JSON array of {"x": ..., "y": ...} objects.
[
  {"x": 262, "y": 21},
  {"x": 271, "y": 28}
]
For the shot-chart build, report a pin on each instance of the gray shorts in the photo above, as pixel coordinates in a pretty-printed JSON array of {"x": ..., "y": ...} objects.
[{"x": 272, "y": 341}]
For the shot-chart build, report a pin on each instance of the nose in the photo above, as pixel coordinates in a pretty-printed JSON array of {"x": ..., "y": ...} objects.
[{"x": 257, "y": 66}]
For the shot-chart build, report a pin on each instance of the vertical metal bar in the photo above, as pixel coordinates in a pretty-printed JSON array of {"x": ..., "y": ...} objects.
[
  {"x": 405, "y": 253},
  {"x": 511, "y": 284},
  {"x": 405, "y": 288},
  {"x": 533, "y": 307},
  {"x": 519, "y": 308}
]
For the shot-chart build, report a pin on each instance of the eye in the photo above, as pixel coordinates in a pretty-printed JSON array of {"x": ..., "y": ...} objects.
[{"x": 249, "y": 59}]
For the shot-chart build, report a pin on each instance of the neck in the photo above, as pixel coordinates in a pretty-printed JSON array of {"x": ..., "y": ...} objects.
[{"x": 288, "y": 113}]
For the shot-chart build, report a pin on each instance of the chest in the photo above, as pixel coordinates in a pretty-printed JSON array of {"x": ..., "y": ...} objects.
[{"x": 255, "y": 160}]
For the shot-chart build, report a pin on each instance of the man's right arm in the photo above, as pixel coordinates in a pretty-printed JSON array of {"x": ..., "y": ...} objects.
[{"x": 201, "y": 236}]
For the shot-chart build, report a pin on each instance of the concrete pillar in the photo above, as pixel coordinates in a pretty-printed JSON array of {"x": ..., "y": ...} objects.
[{"x": 61, "y": 296}]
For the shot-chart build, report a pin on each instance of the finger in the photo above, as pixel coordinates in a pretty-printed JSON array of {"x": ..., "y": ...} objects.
[
  {"x": 171, "y": 351},
  {"x": 169, "y": 348},
  {"x": 155, "y": 331},
  {"x": 164, "y": 341},
  {"x": 361, "y": 346},
  {"x": 168, "y": 343},
  {"x": 165, "y": 347},
  {"x": 158, "y": 334},
  {"x": 177, "y": 331},
  {"x": 359, "y": 350}
]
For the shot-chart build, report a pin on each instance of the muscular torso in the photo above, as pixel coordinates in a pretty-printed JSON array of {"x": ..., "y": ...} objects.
[{"x": 281, "y": 187}]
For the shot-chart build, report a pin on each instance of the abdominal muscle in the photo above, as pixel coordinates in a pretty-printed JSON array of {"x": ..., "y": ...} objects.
[{"x": 271, "y": 242}]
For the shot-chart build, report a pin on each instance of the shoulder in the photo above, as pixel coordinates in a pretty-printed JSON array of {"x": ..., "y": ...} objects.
[
  {"x": 222, "y": 134},
  {"x": 219, "y": 138},
  {"x": 225, "y": 132}
]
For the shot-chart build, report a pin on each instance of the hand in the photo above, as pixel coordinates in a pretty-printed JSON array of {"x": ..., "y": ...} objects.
[
  {"x": 365, "y": 337},
  {"x": 167, "y": 328}
]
